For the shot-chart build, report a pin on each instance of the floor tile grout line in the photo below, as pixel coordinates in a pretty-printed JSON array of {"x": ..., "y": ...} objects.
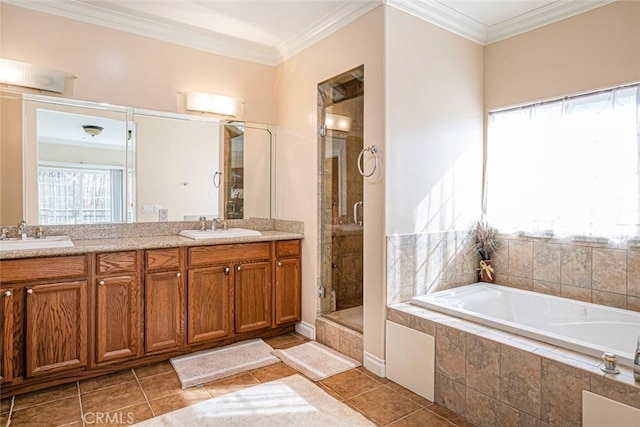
[
  {"x": 143, "y": 393},
  {"x": 80, "y": 403},
  {"x": 10, "y": 413}
]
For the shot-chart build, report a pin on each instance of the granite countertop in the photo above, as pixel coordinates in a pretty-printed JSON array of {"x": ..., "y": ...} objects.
[{"x": 84, "y": 246}]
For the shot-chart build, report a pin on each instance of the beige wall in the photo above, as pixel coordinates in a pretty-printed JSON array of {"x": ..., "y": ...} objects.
[
  {"x": 434, "y": 84},
  {"x": 596, "y": 49},
  {"x": 360, "y": 42},
  {"x": 11, "y": 200},
  {"x": 125, "y": 69}
]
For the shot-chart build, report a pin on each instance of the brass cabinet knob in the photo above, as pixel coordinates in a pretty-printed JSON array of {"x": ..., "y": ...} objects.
[
  {"x": 239, "y": 268},
  {"x": 279, "y": 263},
  {"x": 29, "y": 291},
  {"x": 101, "y": 283},
  {"x": 178, "y": 275},
  {"x": 7, "y": 293},
  {"x": 227, "y": 270}
]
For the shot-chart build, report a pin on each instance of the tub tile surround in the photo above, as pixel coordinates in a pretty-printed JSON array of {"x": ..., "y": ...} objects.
[
  {"x": 418, "y": 264},
  {"x": 601, "y": 273},
  {"x": 494, "y": 377}
]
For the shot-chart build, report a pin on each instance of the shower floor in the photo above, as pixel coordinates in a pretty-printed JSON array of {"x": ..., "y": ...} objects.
[{"x": 351, "y": 318}]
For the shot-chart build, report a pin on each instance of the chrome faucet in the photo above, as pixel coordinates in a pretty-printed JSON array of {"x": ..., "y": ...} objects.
[
  {"x": 5, "y": 234},
  {"x": 219, "y": 224},
  {"x": 636, "y": 362},
  {"x": 39, "y": 232},
  {"x": 22, "y": 229},
  {"x": 203, "y": 223}
]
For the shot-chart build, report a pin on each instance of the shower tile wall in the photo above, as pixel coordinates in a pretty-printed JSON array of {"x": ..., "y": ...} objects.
[
  {"x": 347, "y": 268},
  {"x": 423, "y": 263},
  {"x": 601, "y": 273}
]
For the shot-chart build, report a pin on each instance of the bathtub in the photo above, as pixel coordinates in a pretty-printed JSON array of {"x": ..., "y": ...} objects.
[{"x": 580, "y": 326}]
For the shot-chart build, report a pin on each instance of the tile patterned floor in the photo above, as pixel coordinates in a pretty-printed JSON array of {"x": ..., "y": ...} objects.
[{"x": 132, "y": 396}]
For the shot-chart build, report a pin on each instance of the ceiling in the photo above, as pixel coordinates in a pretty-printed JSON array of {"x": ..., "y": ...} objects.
[{"x": 271, "y": 31}]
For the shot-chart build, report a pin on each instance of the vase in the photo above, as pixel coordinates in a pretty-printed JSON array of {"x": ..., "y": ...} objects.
[{"x": 486, "y": 271}]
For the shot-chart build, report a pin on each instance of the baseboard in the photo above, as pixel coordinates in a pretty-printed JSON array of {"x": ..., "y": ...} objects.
[
  {"x": 306, "y": 330},
  {"x": 374, "y": 364}
]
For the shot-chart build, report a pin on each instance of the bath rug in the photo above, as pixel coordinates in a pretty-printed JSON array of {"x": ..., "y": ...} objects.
[
  {"x": 288, "y": 402},
  {"x": 209, "y": 365},
  {"x": 315, "y": 360}
]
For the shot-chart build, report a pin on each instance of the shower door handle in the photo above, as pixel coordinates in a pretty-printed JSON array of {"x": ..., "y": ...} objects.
[{"x": 356, "y": 205}]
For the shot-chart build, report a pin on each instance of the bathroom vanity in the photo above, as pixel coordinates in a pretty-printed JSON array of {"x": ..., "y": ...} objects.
[{"x": 97, "y": 310}]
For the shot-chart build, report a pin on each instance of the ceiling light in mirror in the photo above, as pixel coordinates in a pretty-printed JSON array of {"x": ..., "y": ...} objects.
[
  {"x": 212, "y": 103},
  {"x": 336, "y": 122}
]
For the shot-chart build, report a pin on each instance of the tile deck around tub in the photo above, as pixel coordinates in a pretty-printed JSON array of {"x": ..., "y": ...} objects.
[{"x": 494, "y": 377}]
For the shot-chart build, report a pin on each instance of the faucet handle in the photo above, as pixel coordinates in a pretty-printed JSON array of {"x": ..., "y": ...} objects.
[{"x": 40, "y": 232}]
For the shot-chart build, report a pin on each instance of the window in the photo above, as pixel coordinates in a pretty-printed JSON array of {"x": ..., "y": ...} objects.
[
  {"x": 79, "y": 196},
  {"x": 566, "y": 167}
]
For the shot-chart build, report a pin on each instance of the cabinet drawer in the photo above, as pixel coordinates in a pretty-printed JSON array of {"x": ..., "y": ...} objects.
[
  {"x": 228, "y": 253},
  {"x": 116, "y": 262},
  {"x": 162, "y": 258},
  {"x": 17, "y": 270},
  {"x": 287, "y": 248}
]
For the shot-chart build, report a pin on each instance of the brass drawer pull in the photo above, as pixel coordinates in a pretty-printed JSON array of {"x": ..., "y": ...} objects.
[
  {"x": 101, "y": 283},
  {"x": 7, "y": 293},
  {"x": 29, "y": 291}
]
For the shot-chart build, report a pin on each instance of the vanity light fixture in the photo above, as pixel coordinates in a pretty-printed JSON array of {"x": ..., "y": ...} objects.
[
  {"x": 92, "y": 130},
  {"x": 17, "y": 73},
  {"x": 212, "y": 103},
  {"x": 336, "y": 122}
]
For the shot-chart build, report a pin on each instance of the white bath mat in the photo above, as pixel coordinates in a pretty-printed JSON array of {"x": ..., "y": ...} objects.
[
  {"x": 209, "y": 365},
  {"x": 315, "y": 360},
  {"x": 288, "y": 402}
]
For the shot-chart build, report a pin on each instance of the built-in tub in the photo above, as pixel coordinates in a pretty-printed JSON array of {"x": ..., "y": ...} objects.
[{"x": 580, "y": 326}]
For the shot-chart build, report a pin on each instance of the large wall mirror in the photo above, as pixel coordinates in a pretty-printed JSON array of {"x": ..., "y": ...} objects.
[{"x": 87, "y": 163}]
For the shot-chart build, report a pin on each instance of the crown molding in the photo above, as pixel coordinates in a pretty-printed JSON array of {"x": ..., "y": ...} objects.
[
  {"x": 444, "y": 17},
  {"x": 338, "y": 18},
  {"x": 540, "y": 17},
  {"x": 155, "y": 28},
  {"x": 432, "y": 11}
]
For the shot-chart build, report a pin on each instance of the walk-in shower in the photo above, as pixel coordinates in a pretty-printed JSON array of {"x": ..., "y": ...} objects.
[{"x": 341, "y": 150}]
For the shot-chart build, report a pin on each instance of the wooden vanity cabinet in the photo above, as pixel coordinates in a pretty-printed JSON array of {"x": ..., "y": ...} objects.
[
  {"x": 248, "y": 307},
  {"x": 6, "y": 331},
  {"x": 118, "y": 307},
  {"x": 209, "y": 304},
  {"x": 164, "y": 301},
  {"x": 288, "y": 282},
  {"x": 49, "y": 297}
]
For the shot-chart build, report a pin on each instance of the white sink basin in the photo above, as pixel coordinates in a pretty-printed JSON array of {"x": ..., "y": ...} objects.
[
  {"x": 219, "y": 234},
  {"x": 32, "y": 243}
]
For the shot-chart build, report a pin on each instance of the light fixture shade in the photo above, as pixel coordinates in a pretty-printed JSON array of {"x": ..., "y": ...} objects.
[
  {"x": 336, "y": 122},
  {"x": 31, "y": 76},
  {"x": 212, "y": 103}
]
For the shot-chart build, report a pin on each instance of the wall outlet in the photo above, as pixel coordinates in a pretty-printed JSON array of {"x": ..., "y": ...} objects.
[
  {"x": 163, "y": 215},
  {"x": 322, "y": 292}
]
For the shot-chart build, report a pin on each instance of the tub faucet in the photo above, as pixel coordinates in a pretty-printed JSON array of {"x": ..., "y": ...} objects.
[{"x": 636, "y": 362}]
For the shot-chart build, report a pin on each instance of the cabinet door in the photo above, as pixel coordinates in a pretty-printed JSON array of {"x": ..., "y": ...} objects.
[
  {"x": 163, "y": 311},
  {"x": 253, "y": 296},
  {"x": 288, "y": 283},
  {"x": 118, "y": 319},
  {"x": 6, "y": 329},
  {"x": 56, "y": 327},
  {"x": 209, "y": 308}
]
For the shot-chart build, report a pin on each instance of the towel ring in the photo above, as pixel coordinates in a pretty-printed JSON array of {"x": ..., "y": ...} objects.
[
  {"x": 219, "y": 175},
  {"x": 374, "y": 150}
]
